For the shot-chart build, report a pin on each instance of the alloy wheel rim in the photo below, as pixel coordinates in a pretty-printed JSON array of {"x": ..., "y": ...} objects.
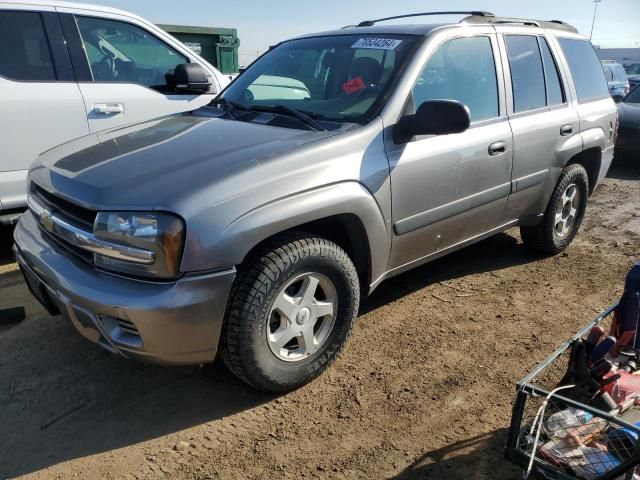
[
  {"x": 567, "y": 211},
  {"x": 302, "y": 317}
]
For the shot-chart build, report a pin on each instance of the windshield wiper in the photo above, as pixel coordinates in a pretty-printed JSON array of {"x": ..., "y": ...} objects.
[
  {"x": 292, "y": 112},
  {"x": 229, "y": 106}
]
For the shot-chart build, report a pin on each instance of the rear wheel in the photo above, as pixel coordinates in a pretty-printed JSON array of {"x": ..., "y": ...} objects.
[
  {"x": 291, "y": 313},
  {"x": 564, "y": 213}
]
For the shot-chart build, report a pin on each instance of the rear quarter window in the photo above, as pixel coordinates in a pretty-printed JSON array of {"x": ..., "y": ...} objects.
[{"x": 586, "y": 69}]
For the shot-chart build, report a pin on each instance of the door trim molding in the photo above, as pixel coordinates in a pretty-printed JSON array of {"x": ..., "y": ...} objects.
[
  {"x": 529, "y": 181},
  {"x": 451, "y": 209}
]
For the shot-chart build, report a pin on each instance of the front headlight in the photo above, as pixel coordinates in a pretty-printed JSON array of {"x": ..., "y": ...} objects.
[{"x": 156, "y": 240}]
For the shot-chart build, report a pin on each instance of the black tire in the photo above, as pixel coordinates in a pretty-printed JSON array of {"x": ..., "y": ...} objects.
[
  {"x": 244, "y": 346},
  {"x": 544, "y": 237}
]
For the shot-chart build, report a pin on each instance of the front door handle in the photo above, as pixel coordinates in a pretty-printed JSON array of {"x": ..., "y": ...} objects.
[
  {"x": 497, "y": 148},
  {"x": 108, "y": 108},
  {"x": 566, "y": 130}
]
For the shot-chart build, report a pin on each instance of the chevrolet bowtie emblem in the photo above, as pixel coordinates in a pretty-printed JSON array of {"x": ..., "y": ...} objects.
[{"x": 46, "y": 221}]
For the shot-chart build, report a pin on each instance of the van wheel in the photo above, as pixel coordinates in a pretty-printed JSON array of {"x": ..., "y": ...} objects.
[
  {"x": 562, "y": 219},
  {"x": 291, "y": 312}
]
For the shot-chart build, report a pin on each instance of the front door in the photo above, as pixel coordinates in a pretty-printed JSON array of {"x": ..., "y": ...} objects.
[
  {"x": 447, "y": 189},
  {"x": 128, "y": 74}
]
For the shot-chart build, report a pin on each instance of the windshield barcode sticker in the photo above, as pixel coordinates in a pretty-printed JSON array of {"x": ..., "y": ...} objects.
[{"x": 377, "y": 43}]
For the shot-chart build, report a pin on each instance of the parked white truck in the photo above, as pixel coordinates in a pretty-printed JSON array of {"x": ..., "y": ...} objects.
[{"x": 70, "y": 69}]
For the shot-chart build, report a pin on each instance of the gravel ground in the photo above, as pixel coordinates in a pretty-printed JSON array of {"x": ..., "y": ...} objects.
[{"x": 423, "y": 390}]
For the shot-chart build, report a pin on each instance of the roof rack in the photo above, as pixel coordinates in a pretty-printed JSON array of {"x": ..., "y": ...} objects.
[
  {"x": 557, "y": 24},
  {"x": 369, "y": 23}
]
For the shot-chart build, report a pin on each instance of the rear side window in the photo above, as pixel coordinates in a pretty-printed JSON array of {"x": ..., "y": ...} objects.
[
  {"x": 527, "y": 74},
  {"x": 24, "y": 48},
  {"x": 555, "y": 94},
  {"x": 608, "y": 74},
  {"x": 618, "y": 73},
  {"x": 586, "y": 69},
  {"x": 461, "y": 69}
]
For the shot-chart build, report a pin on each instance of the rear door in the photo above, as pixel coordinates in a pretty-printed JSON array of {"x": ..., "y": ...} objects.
[
  {"x": 124, "y": 69},
  {"x": 41, "y": 104},
  {"x": 544, "y": 123}
]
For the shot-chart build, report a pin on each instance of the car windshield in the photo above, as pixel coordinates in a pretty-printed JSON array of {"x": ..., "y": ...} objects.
[
  {"x": 633, "y": 96},
  {"x": 342, "y": 78},
  {"x": 633, "y": 69}
]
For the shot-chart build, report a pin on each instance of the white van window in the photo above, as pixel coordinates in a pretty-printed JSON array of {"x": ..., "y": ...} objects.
[
  {"x": 121, "y": 52},
  {"x": 24, "y": 49}
]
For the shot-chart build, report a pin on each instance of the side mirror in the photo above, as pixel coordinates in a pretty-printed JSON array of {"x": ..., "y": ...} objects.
[
  {"x": 191, "y": 77},
  {"x": 434, "y": 117},
  {"x": 617, "y": 98}
]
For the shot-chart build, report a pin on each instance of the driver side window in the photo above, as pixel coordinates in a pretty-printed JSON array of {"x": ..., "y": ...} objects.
[
  {"x": 461, "y": 69},
  {"x": 125, "y": 53}
]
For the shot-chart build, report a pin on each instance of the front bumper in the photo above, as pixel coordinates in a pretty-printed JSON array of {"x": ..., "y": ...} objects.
[{"x": 177, "y": 323}]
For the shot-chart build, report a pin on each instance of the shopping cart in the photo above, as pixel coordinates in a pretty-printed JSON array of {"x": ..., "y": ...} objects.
[{"x": 555, "y": 436}]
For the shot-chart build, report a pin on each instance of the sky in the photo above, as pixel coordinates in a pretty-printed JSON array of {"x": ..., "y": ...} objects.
[{"x": 261, "y": 23}]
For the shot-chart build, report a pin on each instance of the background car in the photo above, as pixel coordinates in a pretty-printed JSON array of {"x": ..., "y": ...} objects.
[
  {"x": 633, "y": 74},
  {"x": 69, "y": 70},
  {"x": 616, "y": 78},
  {"x": 628, "y": 142}
]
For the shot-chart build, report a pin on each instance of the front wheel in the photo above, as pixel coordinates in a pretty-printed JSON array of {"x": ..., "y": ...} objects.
[
  {"x": 564, "y": 213},
  {"x": 291, "y": 312}
]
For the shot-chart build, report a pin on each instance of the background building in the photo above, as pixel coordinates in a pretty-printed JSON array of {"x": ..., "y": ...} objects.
[{"x": 624, "y": 56}]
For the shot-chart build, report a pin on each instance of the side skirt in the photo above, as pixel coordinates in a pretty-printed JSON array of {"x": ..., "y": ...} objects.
[{"x": 532, "y": 220}]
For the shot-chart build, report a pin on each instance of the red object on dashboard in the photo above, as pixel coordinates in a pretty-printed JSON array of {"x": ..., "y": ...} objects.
[{"x": 354, "y": 85}]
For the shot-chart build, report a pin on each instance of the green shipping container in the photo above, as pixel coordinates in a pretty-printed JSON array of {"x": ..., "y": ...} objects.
[{"x": 218, "y": 46}]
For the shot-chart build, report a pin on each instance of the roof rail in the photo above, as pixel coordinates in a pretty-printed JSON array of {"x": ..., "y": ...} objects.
[
  {"x": 369, "y": 23},
  {"x": 557, "y": 24}
]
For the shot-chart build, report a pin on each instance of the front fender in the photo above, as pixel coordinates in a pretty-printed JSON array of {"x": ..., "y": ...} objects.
[{"x": 230, "y": 244}]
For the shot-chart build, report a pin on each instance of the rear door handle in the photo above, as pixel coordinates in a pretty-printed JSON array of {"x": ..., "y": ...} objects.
[
  {"x": 566, "y": 130},
  {"x": 497, "y": 148},
  {"x": 108, "y": 108}
]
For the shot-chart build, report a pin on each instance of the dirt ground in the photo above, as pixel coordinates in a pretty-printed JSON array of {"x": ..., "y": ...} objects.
[{"x": 423, "y": 390}]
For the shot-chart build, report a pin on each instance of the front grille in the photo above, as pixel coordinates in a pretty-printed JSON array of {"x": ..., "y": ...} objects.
[
  {"x": 73, "y": 214},
  {"x": 127, "y": 327},
  {"x": 77, "y": 251},
  {"x": 77, "y": 216}
]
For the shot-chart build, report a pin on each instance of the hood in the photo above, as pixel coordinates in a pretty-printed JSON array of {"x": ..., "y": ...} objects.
[
  {"x": 629, "y": 113},
  {"x": 632, "y": 283},
  {"x": 146, "y": 165}
]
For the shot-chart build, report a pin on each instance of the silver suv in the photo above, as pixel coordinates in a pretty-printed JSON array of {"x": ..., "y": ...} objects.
[{"x": 254, "y": 226}]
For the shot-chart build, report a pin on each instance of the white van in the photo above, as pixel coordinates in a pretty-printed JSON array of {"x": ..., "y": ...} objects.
[{"x": 71, "y": 69}]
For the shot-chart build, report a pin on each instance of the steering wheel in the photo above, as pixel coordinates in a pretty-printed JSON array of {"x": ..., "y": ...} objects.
[{"x": 107, "y": 66}]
